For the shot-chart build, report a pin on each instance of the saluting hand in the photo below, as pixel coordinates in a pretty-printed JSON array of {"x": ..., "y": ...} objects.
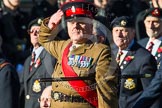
[{"x": 55, "y": 19}]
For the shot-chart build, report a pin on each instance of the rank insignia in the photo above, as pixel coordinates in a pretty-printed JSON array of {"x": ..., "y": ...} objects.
[
  {"x": 129, "y": 84},
  {"x": 123, "y": 23},
  {"x": 36, "y": 86}
]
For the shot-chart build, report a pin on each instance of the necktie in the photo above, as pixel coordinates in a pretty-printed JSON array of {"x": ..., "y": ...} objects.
[
  {"x": 32, "y": 61},
  {"x": 118, "y": 56},
  {"x": 151, "y": 44}
]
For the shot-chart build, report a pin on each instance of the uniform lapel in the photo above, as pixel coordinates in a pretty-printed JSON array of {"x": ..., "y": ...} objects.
[
  {"x": 127, "y": 59},
  {"x": 129, "y": 56},
  {"x": 34, "y": 68},
  {"x": 158, "y": 55},
  {"x": 26, "y": 69}
]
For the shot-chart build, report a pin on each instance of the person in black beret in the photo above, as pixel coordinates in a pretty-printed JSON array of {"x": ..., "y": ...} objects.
[
  {"x": 152, "y": 96},
  {"x": 35, "y": 22},
  {"x": 153, "y": 25},
  {"x": 39, "y": 64},
  {"x": 135, "y": 76},
  {"x": 88, "y": 81}
]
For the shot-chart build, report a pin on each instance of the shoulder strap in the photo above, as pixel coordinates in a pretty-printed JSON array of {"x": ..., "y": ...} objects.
[{"x": 3, "y": 63}]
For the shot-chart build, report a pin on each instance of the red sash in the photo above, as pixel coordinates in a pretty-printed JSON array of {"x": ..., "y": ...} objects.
[{"x": 89, "y": 94}]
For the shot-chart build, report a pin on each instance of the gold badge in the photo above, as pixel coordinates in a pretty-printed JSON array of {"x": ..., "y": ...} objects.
[
  {"x": 129, "y": 84},
  {"x": 123, "y": 23},
  {"x": 39, "y": 21},
  {"x": 36, "y": 86}
]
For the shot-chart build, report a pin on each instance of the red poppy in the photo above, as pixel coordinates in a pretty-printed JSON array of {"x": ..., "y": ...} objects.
[
  {"x": 159, "y": 50},
  {"x": 129, "y": 58},
  {"x": 38, "y": 62}
]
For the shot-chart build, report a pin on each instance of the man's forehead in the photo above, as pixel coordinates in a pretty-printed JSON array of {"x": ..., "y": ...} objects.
[
  {"x": 121, "y": 28},
  {"x": 84, "y": 20},
  {"x": 152, "y": 18}
]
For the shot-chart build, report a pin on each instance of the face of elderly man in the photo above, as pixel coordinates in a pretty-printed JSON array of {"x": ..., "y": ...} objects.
[
  {"x": 122, "y": 36},
  {"x": 34, "y": 34},
  {"x": 153, "y": 26},
  {"x": 79, "y": 30}
]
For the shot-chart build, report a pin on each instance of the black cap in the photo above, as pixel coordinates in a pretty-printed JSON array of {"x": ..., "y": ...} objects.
[
  {"x": 79, "y": 8},
  {"x": 155, "y": 12},
  {"x": 123, "y": 21},
  {"x": 36, "y": 22}
]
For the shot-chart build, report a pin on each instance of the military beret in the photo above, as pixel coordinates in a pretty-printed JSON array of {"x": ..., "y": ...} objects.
[
  {"x": 123, "y": 21},
  {"x": 79, "y": 8},
  {"x": 36, "y": 22},
  {"x": 156, "y": 12}
]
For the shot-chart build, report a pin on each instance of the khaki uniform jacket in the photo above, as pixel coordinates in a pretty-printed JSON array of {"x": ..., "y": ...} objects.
[{"x": 100, "y": 69}]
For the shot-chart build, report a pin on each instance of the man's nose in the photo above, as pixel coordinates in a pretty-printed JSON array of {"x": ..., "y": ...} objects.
[{"x": 36, "y": 32}]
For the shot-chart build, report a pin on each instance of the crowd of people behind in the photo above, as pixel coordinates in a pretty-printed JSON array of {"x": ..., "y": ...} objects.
[{"x": 26, "y": 54}]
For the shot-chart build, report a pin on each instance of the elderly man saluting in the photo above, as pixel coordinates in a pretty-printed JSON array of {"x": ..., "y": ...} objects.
[{"x": 79, "y": 58}]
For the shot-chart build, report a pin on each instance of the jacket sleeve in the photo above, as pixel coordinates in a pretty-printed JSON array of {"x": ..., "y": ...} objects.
[
  {"x": 149, "y": 66},
  {"x": 152, "y": 92},
  {"x": 47, "y": 39},
  {"x": 106, "y": 81}
]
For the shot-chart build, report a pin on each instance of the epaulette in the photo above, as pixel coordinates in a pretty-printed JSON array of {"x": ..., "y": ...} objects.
[{"x": 3, "y": 64}]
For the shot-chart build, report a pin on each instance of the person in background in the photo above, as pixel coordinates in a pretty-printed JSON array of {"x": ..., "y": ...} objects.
[
  {"x": 153, "y": 25},
  {"x": 13, "y": 27},
  {"x": 44, "y": 8},
  {"x": 39, "y": 65},
  {"x": 45, "y": 99},
  {"x": 135, "y": 75},
  {"x": 93, "y": 70},
  {"x": 9, "y": 84},
  {"x": 140, "y": 27},
  {"x": 152, "y": 96}
]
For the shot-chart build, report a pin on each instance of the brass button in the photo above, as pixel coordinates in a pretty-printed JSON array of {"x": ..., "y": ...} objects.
[
  {"x": 60, "y": 72},
  {"x": 27, "y": 96},
  {"x": 56, "y": 96}
]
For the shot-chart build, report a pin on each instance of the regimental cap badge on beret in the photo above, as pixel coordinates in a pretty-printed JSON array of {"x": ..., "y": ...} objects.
[
  {"x": 36, "y": 22},
  {"x": 79, "y": 9},
  {"x": 156, "y": 12},
  {"x": 123, "y": 21},
  {"x": 39, "y": 21}
]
